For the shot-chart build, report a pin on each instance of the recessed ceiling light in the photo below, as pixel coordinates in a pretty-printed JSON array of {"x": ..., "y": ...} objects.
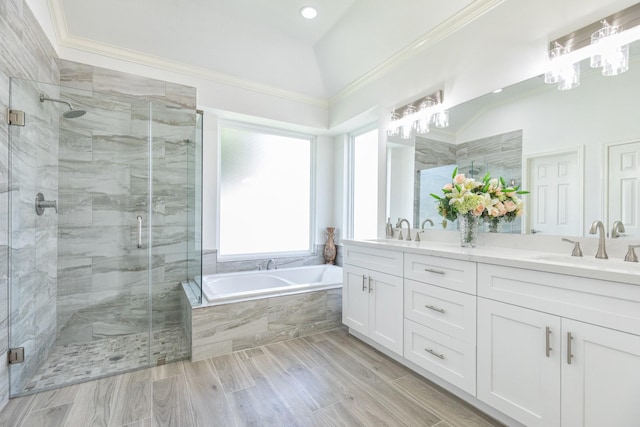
[
  {"x": 309, "y": 12},
  {"x": 497, "y": 91}
]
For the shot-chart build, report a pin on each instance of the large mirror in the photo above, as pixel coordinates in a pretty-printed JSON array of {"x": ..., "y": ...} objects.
[{"x": 576, "y": 151}]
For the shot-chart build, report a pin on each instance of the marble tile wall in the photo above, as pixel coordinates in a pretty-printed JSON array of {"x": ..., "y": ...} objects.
[
  {"x": 26, "y": 53},
  {"x": 503, "y": 153},
  {"x": 104, "y": 174},
  {"x": 225, "y": 328}
]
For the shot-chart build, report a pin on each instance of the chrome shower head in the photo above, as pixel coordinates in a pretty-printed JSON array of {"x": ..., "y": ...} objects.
[{"x": 71, "y": 114}]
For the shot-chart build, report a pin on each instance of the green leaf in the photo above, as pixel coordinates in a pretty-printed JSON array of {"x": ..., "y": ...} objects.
[
  {"x": 487, "y": 177},
  {"x": 485, "y": 188},
  {"x": 435, "y": 196},
  {"x": 458, "y": 188},
  {"x": 504, "y": 184},
  {"x": 455, "y": 172},
  {"x": 522, "y": 192}
]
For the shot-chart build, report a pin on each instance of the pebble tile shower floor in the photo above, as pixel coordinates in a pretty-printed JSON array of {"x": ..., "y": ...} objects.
[{"x": 74, "y": 363}]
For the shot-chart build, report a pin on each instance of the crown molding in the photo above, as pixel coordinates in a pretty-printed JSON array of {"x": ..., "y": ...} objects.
[
  {"x": 74, "y": 42},
  {"x": 438, "y": 33}
]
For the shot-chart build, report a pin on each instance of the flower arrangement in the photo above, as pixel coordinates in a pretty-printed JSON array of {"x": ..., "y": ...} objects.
[{"x": 490, "y": 199}]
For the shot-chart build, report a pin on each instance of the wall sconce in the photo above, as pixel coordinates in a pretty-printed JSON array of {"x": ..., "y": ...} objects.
[
  {"x": 407, "y": 120},
  {"x": 605, "y": 44}
]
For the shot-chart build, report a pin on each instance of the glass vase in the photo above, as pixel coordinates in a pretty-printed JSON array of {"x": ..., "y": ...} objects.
[
  {"x": 468, "y": 225},
  {"x": 493, "y": 225}
]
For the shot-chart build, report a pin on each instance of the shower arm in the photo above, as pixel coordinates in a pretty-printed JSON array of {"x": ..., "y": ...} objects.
[{"x": 46, "y": 98}]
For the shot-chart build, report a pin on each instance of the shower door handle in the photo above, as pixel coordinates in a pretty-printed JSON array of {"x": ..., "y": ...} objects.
[{"x": 139, "y": 231}]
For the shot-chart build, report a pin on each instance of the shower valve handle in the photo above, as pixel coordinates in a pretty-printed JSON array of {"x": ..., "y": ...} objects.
[{"x": 42, "y": 204}]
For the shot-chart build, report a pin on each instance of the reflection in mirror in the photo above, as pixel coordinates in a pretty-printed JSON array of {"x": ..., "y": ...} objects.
[{"x": 596, "y": 125}]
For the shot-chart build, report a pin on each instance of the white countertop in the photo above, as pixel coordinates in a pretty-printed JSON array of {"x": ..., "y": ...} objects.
[{"x": 615, "y": 270}]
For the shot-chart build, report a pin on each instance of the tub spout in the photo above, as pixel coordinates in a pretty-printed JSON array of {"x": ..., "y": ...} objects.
[{"x": 271, "y": 261}]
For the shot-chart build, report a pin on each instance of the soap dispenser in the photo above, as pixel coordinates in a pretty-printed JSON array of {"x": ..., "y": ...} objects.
[{"x": 389, "y": 229}]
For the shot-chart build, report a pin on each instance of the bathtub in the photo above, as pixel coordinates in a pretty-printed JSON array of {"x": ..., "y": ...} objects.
[{"x": 232, "y": 287}]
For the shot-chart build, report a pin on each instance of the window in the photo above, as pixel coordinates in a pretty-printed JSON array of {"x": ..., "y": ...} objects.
[
  {"x": 265, "y": 191},
  {"x": 364, "y": 184}
]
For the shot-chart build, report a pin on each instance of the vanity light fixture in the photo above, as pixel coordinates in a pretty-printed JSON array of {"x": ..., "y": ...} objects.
[
  {"x": 604, "y": 43},
  {"x": 565, "y": 74},
  {"x": 612, "y": 57},
  {"x": 407, "y": 120},
  {"x": 308, "y": 12}
]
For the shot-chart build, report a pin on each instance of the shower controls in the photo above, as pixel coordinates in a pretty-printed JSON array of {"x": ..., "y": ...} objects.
[
  {"x": 42, "y": 204},
  {"x": 139, "y": 231}
]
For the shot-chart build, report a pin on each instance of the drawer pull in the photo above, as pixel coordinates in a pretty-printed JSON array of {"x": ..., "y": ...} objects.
[
  {"x": 432, "y": 270},
  {"x": 548, "y": 341},
  {"x": 569, "y": 355},
  {"x": 364, "y": 287},
  {"x": 439, "y": 356},
  {"x": 431, "y": 307},
  {"x": 370, "y": 287}
]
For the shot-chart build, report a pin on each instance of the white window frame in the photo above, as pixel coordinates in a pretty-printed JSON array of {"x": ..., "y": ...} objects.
[
  {"x": 350, "y": 227},
  {"x": 312, "y": 192}
]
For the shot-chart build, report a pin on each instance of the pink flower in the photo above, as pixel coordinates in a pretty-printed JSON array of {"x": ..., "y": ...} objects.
[
  {"x": 459, "y": 179},
  {"x": 499, "y": 192},
  {"x": 510, "y": 206},
  {"x": 448, "y": 187},
  {"x": 478, "y": 210},
  {"x": 511, "y": 194}
]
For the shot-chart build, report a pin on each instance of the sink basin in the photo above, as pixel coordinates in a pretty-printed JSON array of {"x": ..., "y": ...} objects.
[{"x": 590, "y": 262}]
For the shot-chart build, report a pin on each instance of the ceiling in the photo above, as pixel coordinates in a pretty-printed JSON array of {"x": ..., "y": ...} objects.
[{"x": 264, "y": 42}]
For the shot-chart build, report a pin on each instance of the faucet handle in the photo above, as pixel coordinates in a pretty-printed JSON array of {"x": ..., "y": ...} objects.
[
  {"x": 400, "y": 235},
  {"x": 631, "y": 254},
  {"x": 418, "y": 235},
  {"x": 576, "y": 247}
]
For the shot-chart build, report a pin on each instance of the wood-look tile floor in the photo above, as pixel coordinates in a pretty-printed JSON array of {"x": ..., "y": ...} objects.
[{"x": 327, "y": 379}]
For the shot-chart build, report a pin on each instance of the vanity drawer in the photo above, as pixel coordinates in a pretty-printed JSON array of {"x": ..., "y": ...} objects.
[
  {"x": 447, "y": 273},
  {"x": 614, "y": 305},
  {"x": 442, "y": 355},
  {"x": 450, "y": 312},
  {"x": 385, "y": 261}
]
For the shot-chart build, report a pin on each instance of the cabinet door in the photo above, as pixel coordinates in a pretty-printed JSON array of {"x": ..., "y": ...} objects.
[
  {"x": 385, "y": 310},
  {"x": 517, "y": 375},
  {"x": 355, "y": 299},
  {"x": 601, "y": 386}
]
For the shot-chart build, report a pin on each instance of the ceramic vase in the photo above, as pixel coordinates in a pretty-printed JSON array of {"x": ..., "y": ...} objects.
[{"x": 330, "y": 246}]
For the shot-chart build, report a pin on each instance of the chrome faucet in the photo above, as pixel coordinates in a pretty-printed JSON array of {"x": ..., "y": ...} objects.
[
  {"x": 598, "y": 227},
  {"x": 425, "y": 221},
  {"x": 576, "y": 247},
  {"x": 617, "y": 229},
  {"x": 399, "y": 225},
  {"x": 271, "y": 261}
]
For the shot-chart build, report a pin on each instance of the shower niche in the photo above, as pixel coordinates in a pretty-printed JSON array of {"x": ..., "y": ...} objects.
[{"x": 94, "y": 284}]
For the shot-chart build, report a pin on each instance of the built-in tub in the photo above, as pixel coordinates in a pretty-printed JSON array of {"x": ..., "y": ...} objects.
[
  {"x": 251, "y": 309},
  {"x": 231, "y": 287}
]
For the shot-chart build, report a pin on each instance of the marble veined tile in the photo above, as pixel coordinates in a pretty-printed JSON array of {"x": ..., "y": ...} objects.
[
  {"x": 111, "y": 81},
  {"x": 75, "y": 74}
]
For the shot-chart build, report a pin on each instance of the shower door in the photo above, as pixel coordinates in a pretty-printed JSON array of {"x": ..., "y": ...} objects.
[{"x": 79, "y": 265}]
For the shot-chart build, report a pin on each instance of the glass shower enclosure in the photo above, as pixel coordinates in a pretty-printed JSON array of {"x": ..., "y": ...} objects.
[{"x": 98, "y": 233}]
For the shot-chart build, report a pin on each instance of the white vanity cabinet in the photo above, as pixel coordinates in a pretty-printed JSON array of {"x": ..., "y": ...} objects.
[
  {"x": 440, "y": 321},
  {"x": 372, "y": 294},
  {"x": 542, "y": 362}
]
